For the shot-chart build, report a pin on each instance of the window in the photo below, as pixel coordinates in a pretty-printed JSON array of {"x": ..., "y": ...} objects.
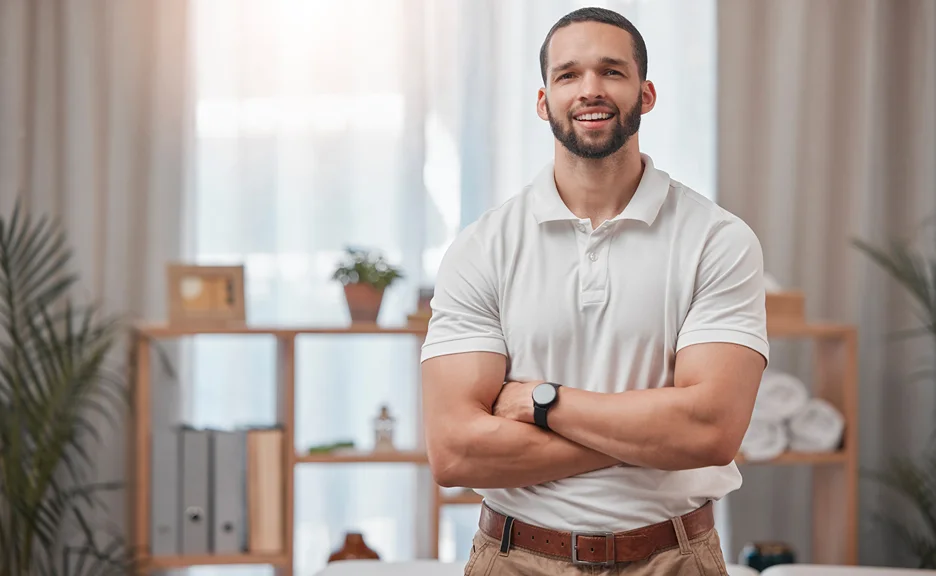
[{"x": 389, "y": 124}]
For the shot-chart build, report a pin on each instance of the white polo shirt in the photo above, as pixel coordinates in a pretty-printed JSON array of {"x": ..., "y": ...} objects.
[{"x": 604, "y": 310}]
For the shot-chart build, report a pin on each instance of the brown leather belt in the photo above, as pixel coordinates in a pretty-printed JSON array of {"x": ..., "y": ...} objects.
[{"x": 605, "y": 548}]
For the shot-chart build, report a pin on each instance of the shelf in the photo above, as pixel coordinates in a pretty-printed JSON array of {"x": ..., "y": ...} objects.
[
  {"x": 167, "y": 331},
  {"x": 415, "y": 457},
  {"x": 790, "y": 458},
  {"x": 774, "y": 329},
  {"x": 158, "y": 330},
  {"x": 168, "y": 562},
  {"x": 349, "y": 457},
  {"x": 800, "y": 458},
  {"x": 795, "y": 330},
  {"x": 466, "y": 498}
]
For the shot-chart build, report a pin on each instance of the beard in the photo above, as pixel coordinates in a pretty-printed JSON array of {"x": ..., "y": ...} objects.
[{"x": 621, "y": 130}]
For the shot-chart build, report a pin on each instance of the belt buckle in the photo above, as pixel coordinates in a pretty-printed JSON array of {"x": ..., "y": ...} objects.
[{"x": 609, "y": 538}]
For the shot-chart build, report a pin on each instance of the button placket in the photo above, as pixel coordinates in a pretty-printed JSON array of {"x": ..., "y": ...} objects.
[{"x": 594, "y": 268}]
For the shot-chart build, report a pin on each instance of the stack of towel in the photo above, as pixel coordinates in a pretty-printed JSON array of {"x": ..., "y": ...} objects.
[{"x": 786, "y": 418}]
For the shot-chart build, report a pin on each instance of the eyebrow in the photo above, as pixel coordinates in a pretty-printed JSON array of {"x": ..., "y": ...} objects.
[
  {"x": 614, "y": 61},
  {"x": 604, "y": 60},
  {"x": 564, "y": 66}
]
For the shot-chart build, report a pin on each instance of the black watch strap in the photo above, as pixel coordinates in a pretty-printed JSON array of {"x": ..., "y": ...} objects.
[
  {"x": 540, "y": 410},
  {"x": 539, "y": 416}
]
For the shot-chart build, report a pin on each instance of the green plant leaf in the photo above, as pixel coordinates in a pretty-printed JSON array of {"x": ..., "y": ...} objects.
[
  {"x": 911, "y": 269},
  {"x": 366, "y": 267},
  {"x": 54, "y": 379},
  {"x": 913, "y": 480},
  {"x": 915, "y": 485},
  {"x": 921, "y": 546}
]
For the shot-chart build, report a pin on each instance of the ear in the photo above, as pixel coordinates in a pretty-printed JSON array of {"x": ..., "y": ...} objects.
[
  {"x": 648, "y": 96},
  {"x": 541, "y": 104}
]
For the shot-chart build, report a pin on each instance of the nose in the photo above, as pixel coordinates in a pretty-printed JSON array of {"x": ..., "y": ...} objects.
[{"x": 592, "y": 87}]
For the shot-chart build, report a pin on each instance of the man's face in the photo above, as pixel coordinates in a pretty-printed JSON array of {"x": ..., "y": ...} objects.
[{"x": 594, "y": 97}]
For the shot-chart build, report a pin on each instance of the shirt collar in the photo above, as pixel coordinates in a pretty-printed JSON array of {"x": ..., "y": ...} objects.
[{"x": 644, "y": 206}]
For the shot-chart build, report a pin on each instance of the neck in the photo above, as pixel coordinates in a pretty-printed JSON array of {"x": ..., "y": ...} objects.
[{"x": 598, "y": 189}]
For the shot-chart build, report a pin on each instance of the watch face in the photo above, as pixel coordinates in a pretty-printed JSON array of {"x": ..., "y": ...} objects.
[{"x": 544, "y": 394}]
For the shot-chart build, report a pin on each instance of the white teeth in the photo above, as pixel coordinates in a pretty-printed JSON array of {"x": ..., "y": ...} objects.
[{"x": 594, "y": 116}]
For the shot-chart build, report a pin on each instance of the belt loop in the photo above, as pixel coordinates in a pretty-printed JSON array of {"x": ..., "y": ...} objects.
[
  {"x": 681, "y": 536},
  {"x": 505, "y": 537}
]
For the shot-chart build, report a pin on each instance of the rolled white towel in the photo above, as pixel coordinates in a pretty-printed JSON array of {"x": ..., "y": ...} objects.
[
  {"x": 817, "y": 427},
  {"x": 764, "y": 440},
  {"x": 779, "y": 397}
]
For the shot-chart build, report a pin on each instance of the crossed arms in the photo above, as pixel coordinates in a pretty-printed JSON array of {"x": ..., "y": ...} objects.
[
  {"x": 479, "y": 431},
  {"x": 470, "y": 447}
]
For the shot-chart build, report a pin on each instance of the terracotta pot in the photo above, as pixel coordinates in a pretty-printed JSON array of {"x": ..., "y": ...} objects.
[
  {"x": 363, "y": 302},
  {"x": 354, "y": 549}
]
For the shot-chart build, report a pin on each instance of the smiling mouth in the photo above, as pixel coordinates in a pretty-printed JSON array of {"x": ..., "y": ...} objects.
[{"x": 594, "y": 119}]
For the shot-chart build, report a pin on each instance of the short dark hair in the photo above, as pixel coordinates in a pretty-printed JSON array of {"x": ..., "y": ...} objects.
[{"x": 604, "y": 16}]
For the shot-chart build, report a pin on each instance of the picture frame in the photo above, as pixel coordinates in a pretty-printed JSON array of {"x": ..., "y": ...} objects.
[{"x": 205, "y": 296}]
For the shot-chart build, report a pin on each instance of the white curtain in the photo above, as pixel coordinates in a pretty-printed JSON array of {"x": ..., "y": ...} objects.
[
  {"x": 91, "y": 136},
  {"x": 827, "y": 132},
  {"x": 389, "y": 124}
]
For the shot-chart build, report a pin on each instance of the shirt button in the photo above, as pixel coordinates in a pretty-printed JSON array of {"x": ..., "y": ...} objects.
[
  {"x": 592, "y": 256},
  {"x": 581, "y": 227}
]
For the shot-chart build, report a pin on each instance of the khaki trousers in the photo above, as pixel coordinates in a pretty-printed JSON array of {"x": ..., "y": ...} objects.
[{"x": 700, "y": 556}]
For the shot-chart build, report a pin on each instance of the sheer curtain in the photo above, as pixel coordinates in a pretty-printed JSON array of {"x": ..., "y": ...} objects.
[
  {"x": 829, "y": 134},
  {"x": 389, "y": 124},
  {"x": 90, "y": 128}
]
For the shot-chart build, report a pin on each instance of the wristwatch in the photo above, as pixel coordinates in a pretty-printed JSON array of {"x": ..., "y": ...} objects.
[{"x": 544, "y": 396}]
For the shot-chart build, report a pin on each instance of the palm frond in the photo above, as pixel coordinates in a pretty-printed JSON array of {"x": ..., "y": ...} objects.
[
  {"x": 54, "y": 382},
  {"x": 916, "y": 483},
  {"x": 913, "y": 271},
  {"x": 34, "y": 259},
  {"x": 914, "y": 480},
  {"x": 920, "y": 545}
]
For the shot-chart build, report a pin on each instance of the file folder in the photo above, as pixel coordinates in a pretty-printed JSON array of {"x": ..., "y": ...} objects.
[
  {"x": 194, "y": 488},
  {"x": 265, "y": 488},
  {"x": 228, "y": 495},
  {"x": 165, "y": 502}
]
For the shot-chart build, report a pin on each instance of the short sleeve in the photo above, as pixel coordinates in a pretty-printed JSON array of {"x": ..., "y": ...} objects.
[
  {"x": 465, "y": 314},
  {"x": 729, "y": 300}
]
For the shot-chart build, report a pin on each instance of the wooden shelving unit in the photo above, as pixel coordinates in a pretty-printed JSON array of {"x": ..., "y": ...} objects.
[
  {"x": 835, "y": 476},
  {"x": 411, "y": 457},
  {"x": 176, "y": 562},
  {"x": 835, "y": 494},
  {"x": 139, "y": 448}
]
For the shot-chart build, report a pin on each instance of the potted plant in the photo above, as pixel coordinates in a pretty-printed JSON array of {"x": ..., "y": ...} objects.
[
  {"x": 54, "y": 372},
  {"x": 365, "y": 274},
  {"x": 912, "y": 479}
]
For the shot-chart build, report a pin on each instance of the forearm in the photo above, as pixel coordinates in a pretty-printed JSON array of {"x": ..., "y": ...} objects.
[
  {"x": 492, "y": 452},
  {"x": 664, "y": 428}
]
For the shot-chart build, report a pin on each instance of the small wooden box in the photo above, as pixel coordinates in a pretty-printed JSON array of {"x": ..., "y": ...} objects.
[{"x": 786, "y": 307}]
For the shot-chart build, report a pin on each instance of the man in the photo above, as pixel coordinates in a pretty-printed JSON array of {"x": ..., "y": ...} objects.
[{"x": 597, "y": 341}]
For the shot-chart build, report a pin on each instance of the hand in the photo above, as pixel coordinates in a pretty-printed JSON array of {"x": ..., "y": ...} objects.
[{"x": 515, "y": 401}]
